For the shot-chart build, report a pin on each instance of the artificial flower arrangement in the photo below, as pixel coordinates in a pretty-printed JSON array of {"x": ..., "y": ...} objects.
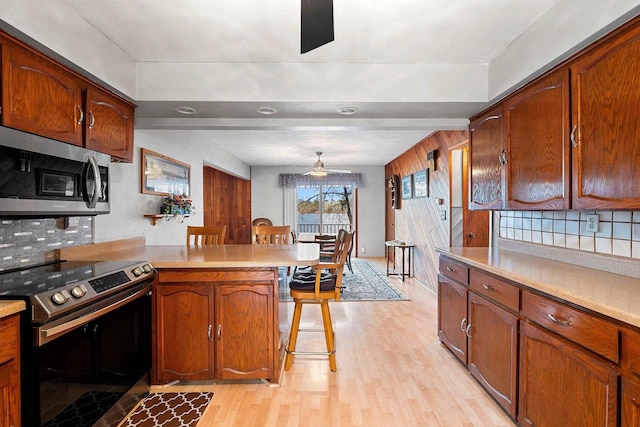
[{"x": 177, "y": 204}]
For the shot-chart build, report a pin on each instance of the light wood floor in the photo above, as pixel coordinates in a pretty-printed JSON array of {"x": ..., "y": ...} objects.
[{"x": 391, "y": 372}]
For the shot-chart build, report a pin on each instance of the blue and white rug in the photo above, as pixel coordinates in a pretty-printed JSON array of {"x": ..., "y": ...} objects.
[{"x": 366, "y": 283}]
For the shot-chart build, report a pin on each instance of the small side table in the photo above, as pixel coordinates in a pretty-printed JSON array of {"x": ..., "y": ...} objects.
[{"x": 403, "y": 246}]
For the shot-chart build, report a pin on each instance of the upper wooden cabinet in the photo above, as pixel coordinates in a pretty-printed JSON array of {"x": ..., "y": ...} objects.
[
  {"x": 41, "y": 96},
  {"x": 109, "y": 127},
  {"x": 568, "y": 140},
  {"x": 537, "y": 149},
  {"x": 487, "y": 155},
  {"x": 605, "y": 99}
]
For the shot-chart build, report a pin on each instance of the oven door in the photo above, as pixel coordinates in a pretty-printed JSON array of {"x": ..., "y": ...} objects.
[{"x": 98, "y": 359}]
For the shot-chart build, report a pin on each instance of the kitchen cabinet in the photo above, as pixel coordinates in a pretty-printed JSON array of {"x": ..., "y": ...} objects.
[
  {"x": 605, "y": 128},
  {"x": 43, "y": 97},
  {"x": 244, "y": 331},
  {"x": 536, "y": 160},
  {"x": 487, "y": 154},
  {"x": 40, "y": 97},
  {"x": 183, "y": 347},
  {"x": 216, "y": 324},
  {"x": 561, "y": 382},
  {"x": 10, "y": 371},
  {"x": 480, "y": 333},
  {"x": 630, "y": 390},
  {"x": 109, "y": 125}
]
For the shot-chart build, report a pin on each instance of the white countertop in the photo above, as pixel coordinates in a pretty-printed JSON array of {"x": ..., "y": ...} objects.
[{"x": 613, "y": 295}]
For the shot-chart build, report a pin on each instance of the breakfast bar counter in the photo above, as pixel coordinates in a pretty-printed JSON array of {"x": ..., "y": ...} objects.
[{"x": 216, "y": 310}]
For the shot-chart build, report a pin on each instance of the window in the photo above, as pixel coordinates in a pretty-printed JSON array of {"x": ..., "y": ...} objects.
[{"x": 324, "y": 209}]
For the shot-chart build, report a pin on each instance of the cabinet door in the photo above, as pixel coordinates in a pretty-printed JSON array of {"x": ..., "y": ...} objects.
[
  {"x": 630, "y": 404},
  {"x": 183, "y": 319},
  {"x": 561, "y": 384},
  {"x": 40, "y": 97},
  {"x": 244, "y": 331},
  {"x": 487, "y": 156},
  {"x": 606, "y": 156},
  {"x": 493, "y": 350},
  {"x": 109, "y": 125},
  {"x": 452, "y": 316},
  {"x": 537, "y": 127},
  {"x": 10, "y": 371}
]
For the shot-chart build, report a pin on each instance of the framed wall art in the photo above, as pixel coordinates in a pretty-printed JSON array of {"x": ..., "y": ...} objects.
[
  {"x": 421, "y": 184},
  {"x": 164, "y": 176},
  {"x": 407, "y": 187}
]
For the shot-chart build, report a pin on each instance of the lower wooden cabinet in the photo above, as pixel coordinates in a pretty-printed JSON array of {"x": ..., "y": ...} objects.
[
  {"x": 630, "y": 403},
  {"x": 493, "y": 350},
  {"x": 562, "y": 384},
  {"x": 452, "y": 315},
  {"x": 216, "y": 324},
  {"x": 10, "y": 371}
]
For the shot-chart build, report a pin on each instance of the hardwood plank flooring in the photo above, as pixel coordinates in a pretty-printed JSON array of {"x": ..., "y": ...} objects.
[{"x": 391, "y": 372}]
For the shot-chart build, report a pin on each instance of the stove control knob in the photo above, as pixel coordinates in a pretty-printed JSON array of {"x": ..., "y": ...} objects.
[
  {"x": 59, "y": 298},
  {"x": 137, "y": 271},
  {"x": 79, "y": 291},
  {"x": 146, "y": 268}
]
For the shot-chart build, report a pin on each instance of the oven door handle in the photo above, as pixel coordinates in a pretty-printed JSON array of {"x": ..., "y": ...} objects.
[{"x": 49, "y": 333}]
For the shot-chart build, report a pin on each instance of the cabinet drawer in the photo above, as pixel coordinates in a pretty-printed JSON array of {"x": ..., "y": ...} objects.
[
  {"x": 9, "y": 328},
  {"x": 495, "y": 289},
  {"x": 454, "y": 270},
  {"x": 585, "y": 329},
  {"x": 192, "y": 275}
]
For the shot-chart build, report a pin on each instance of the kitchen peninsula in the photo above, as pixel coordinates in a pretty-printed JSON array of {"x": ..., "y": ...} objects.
[{"x": 216, "y": 312}]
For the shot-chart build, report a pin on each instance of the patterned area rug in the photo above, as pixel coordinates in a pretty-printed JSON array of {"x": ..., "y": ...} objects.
[
  {"x": 169, "y": 410},
  {"x": 366, "y": 283}
]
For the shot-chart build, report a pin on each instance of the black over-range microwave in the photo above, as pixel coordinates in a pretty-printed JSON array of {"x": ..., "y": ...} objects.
[{"x": 41, "y": 177}]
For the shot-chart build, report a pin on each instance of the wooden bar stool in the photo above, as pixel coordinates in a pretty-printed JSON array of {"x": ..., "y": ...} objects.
[{"x": 318, "y": 287}]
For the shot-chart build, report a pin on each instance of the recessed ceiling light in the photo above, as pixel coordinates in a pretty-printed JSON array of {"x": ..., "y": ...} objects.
[
  {"x": 183, "y": 109},
  {"x": 347, "y": 111},
  {"x": 267, "y": 110}
]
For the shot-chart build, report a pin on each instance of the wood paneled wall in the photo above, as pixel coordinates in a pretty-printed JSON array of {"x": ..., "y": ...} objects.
[
  {"x": 227, "y": 201},
  {"x": 418, "y": 220}
]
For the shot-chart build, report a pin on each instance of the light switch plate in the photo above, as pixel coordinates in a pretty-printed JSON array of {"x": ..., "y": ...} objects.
[
  {"x": 593, "y": 222},
  {"x": 443, "y": 214}
]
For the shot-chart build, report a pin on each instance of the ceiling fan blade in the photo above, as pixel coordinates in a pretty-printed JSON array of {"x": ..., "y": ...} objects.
[
  {"x": 316, "y": 24},
  {"x": 338, "y": 171}
]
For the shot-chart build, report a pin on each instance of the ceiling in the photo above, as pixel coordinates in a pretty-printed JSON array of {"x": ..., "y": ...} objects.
[{"x": 367, "y": 32}]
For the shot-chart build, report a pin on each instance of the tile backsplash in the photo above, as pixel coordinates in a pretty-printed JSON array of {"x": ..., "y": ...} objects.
[
  {"x": 618, "y": 231},
  {"x": 25, "y": 242}
]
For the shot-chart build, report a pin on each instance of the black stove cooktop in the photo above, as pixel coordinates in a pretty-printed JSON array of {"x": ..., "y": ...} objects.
[{"x": 35, "y": 280}]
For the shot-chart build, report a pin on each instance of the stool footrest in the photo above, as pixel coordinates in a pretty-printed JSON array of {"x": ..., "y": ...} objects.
[{"x": 310, "y": 353}]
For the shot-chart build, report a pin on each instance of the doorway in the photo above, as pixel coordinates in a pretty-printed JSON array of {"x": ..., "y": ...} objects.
[{"x": 468, "y": 228}]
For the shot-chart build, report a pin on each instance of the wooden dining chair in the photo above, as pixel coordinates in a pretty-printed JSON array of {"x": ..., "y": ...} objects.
[
  {"x": 270, "y": 234},
  {"x": 319, "y": 286},
  {"x": 213, "y": 235}
]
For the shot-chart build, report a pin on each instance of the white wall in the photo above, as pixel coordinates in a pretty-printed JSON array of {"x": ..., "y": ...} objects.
[
  {"x": 267, "y": 201},
  {"x": 128, "y": 204}
]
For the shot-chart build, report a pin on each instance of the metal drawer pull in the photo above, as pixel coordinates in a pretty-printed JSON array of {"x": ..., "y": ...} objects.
[
  {"x": 562, "y": 322},
  {"x": 209, "y": 330},
  {"x": 487, "y": 287},
  {"x": 81, "y": 115},
  {"x": 573, "y": 136},
  {"x": 451, "y": 269},
  {"x": 466, "y": 331},
  {"x": 462, "y": 325},
  {"x": 219, "y": 332}
]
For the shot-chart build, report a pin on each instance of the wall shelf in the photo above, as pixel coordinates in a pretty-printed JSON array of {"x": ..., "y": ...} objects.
[{"x": 155, "y": 217}]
